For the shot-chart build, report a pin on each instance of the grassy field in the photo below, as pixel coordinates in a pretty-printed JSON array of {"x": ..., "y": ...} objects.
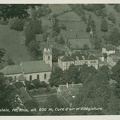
[
  {"x": 10, "y": 40},
  {"x": 69, "y": 16},
  {"x": 59, "y": 8},
  {"x": 78, "y": 43}
]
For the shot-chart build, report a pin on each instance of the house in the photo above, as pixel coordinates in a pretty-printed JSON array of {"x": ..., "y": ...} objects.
[
  {"x": 31, "y": 70},
  {"x": 109, "y": 49},
  {"x": 113, "y": 59},
  {"x": 77, "y": 58},
  {"x": 68, "y": 92}
]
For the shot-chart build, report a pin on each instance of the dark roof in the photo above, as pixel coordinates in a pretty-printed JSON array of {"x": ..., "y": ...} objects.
[
  {"x": 92, "y": 57},
  {"x": 66, "y": 58},
  {"x": 95, "y": 52},
  {"x": 18, "y": 85},
  {"x": 72, "y": 89},
  {"x": 110, "y": 47},
  {"x": 35, "y": 67},
  {"x": 12, "y": 69},
  {"x": 23, "y": 94},
  {"x": 80, "y": 55}
]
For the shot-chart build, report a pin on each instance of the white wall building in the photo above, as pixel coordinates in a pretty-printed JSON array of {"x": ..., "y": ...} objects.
[
  {"x": 32, "y": 69},
  {"x": 109, "y": 49}
]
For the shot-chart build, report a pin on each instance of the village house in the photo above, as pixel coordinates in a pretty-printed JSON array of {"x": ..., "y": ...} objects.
[
  {"x": 113, "y": 59},
  {"x": 109, "y": 49},
  {"x": 77, "y": 58},
  {"x": 68, "y": 92}
]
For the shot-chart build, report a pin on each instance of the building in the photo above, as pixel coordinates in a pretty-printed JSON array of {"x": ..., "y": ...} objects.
[
  {"x": 68, "y": 92},
  {"x": 109, "y": 49},
  {"x": 113, "y": 59},
  {"x": 31, "y": 69},
  {"x": 77, "y": 58}
]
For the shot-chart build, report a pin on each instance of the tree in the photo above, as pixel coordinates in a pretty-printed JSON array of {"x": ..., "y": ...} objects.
[
  {"x": 30, "y": 35},
  {"x": 16, "y": 24},
  {"x": 116, "y": 72},
  {"x": 113, "y": 106},
  {"x": 111, "y": 17},
  {"x": 97, "y": 41},
  {"x": 7, "y": 94},
  {"x": 55, "y": 54},
  {"x": 10, "y": 61},
  {"x": 36, "y": 26},
  {"x": 54, "y": 102},
  {"x": 55, "y": 26},
  {"x": 72, "y": 75},
  {"x": 56, "y": 77},
  {"x": 36, "y": 83},
  {"x": 45, "y": 35},
  {"x": 14, "y": 10},
  {"x": 33, "y": 48},
  {"x": 61, "y": 40},
  {"x": 96, "y": 92},
  {"x": 114, "y": 37},
  {"x": 104, "y": 25},
  {"x": 2, "y": 53},
  {"x": 88, "y": 28},
  {"x": 43, "y": 84},
  {"x": 86, "y": 47}
]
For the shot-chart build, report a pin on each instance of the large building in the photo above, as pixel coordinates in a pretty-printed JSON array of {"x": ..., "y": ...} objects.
[
  {"x": 32, "y": 69},
  {"x": 77, "y": 58}
]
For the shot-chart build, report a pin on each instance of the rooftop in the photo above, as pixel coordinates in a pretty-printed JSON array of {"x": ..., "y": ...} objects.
[
  {"x": 35, "y": 67},
  {"x": 79, "y": 55},
  {"x": 110, "y": 47},
  {"x": 12, "y": 69},
  {"x": 66, "y": 58}
]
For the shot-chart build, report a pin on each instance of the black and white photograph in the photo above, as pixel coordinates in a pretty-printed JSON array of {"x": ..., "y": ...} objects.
[{"x": 59, "y": 59}]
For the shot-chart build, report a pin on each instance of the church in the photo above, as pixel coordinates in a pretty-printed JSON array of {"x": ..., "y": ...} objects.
[{"x": 31, "y": 70}]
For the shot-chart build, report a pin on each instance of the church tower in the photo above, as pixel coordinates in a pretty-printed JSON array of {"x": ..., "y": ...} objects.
[{"x": 47, "y": 54}]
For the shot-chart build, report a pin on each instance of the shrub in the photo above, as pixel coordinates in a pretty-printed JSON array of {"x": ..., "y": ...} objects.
[
  {"x": 63, "y": 26},
  {"x": 43, "y": 84},
  {"x": 36, "y": 83},
  {"x": 16, "y": 24},
  {"x": 111, "y": 17}
]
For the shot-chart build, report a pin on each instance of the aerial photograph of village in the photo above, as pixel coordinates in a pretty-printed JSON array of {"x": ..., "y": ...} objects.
[{"x": 59, "y": 59}]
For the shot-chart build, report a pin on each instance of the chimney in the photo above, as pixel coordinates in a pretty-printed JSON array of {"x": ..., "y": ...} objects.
[
  {"x": 67, "y": 85},
  {"x": 83, "y": 57}
]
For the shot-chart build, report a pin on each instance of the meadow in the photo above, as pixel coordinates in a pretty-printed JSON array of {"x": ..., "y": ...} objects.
[{"x": 11, "y": 41}]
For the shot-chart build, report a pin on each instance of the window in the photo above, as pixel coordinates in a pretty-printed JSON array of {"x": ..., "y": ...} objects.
[
  {"x": 30, "y": 77},
  {"x": 45, "y": 76},
  {"x": 38, "y": 77},
  {"x": 93, "y": 61},
  {"x": 48, "y": 57}
]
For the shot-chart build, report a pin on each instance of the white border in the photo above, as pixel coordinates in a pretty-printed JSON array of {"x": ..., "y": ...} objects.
[
  {"x": 106, "y": 117},
  {"x": 58, "y": 1}
]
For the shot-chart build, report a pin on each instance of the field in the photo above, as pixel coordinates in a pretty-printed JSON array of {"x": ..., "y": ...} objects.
[
  {"x": 69, "y": 16},
  {"x": 11, "y": 40},
  {"x": 56, "y": 9},
  {"x": 78, "y": 43}
]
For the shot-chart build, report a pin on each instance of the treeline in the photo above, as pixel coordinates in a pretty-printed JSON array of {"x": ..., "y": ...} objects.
[{"x": 97, "y": 91}]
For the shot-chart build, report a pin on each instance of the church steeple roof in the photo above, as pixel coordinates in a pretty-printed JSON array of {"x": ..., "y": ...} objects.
[{"x": 47, "y": 46}]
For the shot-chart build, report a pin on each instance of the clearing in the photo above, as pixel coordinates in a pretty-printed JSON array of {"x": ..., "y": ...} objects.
[{"x": 13, "y": 42}]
